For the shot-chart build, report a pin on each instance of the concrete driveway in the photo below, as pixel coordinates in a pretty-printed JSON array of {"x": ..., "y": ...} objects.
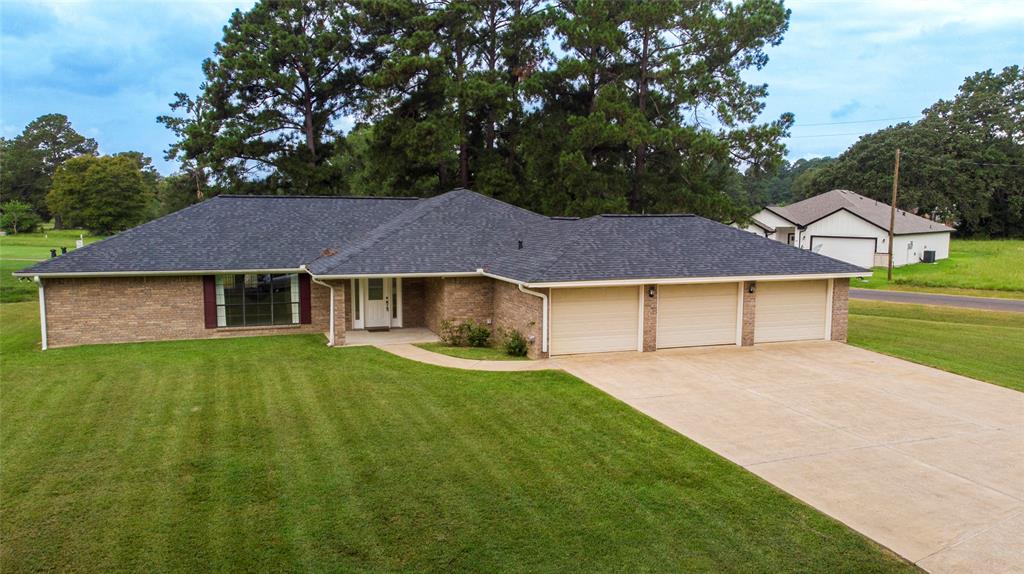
[{"x": 927, "y": 463}]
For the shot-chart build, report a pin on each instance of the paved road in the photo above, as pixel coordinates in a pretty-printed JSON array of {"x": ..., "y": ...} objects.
[
  {"x": 928, "y": 463},
  {"x": 988, "y": 303}
]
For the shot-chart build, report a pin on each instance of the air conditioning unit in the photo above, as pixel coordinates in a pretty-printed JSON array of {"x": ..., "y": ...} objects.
[{"x": 928, "y": 256}]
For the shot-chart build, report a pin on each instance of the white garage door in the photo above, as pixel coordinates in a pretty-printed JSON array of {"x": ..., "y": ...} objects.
[
  {"x": 594, "y": 320},
  {"x": 695, "y": 315},
  {"x": 859, "y": 251},
  {"x": 790, "y": 310}
]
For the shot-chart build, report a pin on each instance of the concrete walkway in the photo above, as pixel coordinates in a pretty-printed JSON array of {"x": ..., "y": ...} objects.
[
  {"x": 925, "y": 462},
  {"x": 986, "y": 303}
]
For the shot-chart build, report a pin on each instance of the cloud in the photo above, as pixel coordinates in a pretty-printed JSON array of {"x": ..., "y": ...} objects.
[{"x": 845, "y": 110}]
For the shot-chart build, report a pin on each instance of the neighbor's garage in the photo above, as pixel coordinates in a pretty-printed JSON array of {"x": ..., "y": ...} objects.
[
  {"x": 697, "y": 315},
  {"x": 790, "y": 310},
  {"x": 859, "y": 251},
  {"x": 585, "y": 320}
]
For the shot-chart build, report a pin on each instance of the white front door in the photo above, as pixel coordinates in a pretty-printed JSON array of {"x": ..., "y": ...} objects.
[{"x": 378, "y": 302}]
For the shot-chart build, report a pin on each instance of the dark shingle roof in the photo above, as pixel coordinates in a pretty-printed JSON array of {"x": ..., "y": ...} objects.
[
  {"x": 459, "y": 231},
  {"x": 875, "y": 212}
]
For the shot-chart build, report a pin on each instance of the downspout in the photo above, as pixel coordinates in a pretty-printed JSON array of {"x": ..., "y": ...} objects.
[
  {"x": 330, "y": 334},
  {"x": 42, "y": 309},
  {"x": 544, "y": 316},
  {"x": 544, "y": 307}
]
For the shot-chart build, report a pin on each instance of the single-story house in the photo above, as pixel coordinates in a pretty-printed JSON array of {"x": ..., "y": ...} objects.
[
  {"x": 852, "y": 228},
  {"x": 256, "y": 265}
]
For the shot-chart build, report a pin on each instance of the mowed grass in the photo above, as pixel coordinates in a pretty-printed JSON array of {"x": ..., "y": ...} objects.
[
  {"x": 279, "y": 454},
  {"x": 22, "y": 250},
  {"x": 476, "y": 353},
  {"x": 985, "y": 345},
  {"x": 984, "y": 268}
]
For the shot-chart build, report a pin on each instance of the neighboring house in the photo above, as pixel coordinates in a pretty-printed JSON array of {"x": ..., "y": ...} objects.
[
  {"x": 256, "y": 265},
  {"x": 850, "y": 227}
]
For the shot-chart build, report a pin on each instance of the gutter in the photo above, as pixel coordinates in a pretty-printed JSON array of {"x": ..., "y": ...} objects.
[
  {"x": 544, "y": 305},
  {"x": 330, "y": 335},
  {"x": 42, "y": 309}
]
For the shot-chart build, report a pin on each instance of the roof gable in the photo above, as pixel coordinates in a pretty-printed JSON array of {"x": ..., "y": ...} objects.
[{"x": 877, "y": 213}]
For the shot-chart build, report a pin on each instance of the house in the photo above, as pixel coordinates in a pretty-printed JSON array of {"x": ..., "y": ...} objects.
[
  {"x": 850, "y": 227},
  {"x": 256, "y": 265}
]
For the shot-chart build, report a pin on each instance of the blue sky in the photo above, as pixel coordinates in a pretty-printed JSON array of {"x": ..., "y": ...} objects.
[{"x": 112, "y": 66}]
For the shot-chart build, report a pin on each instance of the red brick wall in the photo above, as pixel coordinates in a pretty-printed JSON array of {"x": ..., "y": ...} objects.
[
  {"x": 749, "y": 314},
  {"x": 458, "y": 299},
  {"x": 521, "y": 312},
  {"x": 413, "y": 302},
  {"x": 650, "y": 319},
  {"x": 840, "y": 307},
  {"x": 93, "y": 310}
]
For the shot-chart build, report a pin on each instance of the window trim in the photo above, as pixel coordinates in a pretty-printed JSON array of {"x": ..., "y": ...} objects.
[{"x": 295, "y": 301}]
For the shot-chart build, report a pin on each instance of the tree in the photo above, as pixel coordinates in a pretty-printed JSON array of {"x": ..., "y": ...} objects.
[
  {"x": 104, "y": 194},
  {"x": 962, "y": 162},
  {"x": 28, "y": 162},
  {"x": 195, "y": 131},
  {"x": 280, "y": 77},
  {"x": 18, "y": 217}
]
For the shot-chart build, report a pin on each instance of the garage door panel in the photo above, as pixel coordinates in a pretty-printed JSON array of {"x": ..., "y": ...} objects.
[
  {"x": 858, "y": 251},
  {"x": 696, "y": 315},
  {"x": 790, "y": 311},
  {"x": 594, "y": 320}
]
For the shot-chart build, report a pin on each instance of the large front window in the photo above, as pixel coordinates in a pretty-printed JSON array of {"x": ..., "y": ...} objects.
[{"x": 260, "y": 299}]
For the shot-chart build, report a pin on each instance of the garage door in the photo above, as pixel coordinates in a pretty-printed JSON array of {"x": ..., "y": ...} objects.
[
  {"x": 695, "y": 315},
  {"x": 859, "y": 251},
  {"x": 594, "y": 320},
  {"x": 790, "y": 311}
]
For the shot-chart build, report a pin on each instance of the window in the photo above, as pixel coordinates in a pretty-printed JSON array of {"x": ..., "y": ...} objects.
[
  {"x": 394, "y": 297},
  {"x": 356, "y": 300},
  {"x": 253, "y": 300}
]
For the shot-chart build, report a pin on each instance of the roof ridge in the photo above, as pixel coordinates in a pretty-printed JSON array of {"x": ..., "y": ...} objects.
[
  {"x": 377, "y": 233},
  {"x": 258, "y": 196}
]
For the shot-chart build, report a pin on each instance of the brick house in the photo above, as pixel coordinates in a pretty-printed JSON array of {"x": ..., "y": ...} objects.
[{"x": 257, "y": 265}]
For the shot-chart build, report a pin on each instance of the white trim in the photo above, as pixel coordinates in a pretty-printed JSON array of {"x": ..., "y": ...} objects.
[
  {"x": 828, "y": 309},
  {"x": 739, "y": 314},
  {"x": 686, "y": 280},
  {"x": 42, "y": 311},
  {"x": 356, "y": 298},
  {"x": 396, "y": 300},
  {"x": 410, "y": 275},
  {"x": 640, "y": 330},
  {"x": 301, "y": 268}
]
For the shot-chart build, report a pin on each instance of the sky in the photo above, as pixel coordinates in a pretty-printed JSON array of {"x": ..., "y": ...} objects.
[{"x": 844, "y": 68}]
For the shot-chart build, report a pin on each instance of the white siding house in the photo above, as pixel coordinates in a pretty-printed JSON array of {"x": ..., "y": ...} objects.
[{"x": 850, "y": 227}]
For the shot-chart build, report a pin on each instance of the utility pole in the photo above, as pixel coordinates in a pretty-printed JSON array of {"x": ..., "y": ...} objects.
[{"x": 892, "y": 212}]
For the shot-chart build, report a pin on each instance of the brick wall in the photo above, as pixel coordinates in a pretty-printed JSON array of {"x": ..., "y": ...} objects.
[
  {"x": 749, "y": 314},
  {"x": 840, "y": 307},
  {"x": 84, "y": 311},
  {"x": 458, "y": 299},
  {"x": 650, "y": 319},
  {"x": 413, "y": 303},
  {"x": 521, "y": 312}
]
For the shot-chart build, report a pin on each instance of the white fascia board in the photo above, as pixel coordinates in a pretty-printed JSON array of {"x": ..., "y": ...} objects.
[
  {"x": 409, "y": 275},
  {"x": 152, "y": 273},
  {"x": 686, "y": 280}
]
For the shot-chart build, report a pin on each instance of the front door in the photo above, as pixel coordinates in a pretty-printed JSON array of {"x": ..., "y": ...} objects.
[{"x": 378, "y": 303}]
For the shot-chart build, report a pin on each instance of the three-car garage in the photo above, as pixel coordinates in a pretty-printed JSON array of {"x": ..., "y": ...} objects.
[{"x": 604, "y": 319}]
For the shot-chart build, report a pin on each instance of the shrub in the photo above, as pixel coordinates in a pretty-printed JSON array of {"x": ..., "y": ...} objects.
[
  {"x": 514, "y": 343},
  {"x": 18, "y": 217},
  {"x": 465, "y": 334}
]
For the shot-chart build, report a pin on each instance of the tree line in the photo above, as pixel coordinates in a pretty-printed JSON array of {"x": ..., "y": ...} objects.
[{"x": 962, "y": 162}]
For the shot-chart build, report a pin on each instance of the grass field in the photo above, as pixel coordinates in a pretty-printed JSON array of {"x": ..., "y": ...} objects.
[
  {"x": 975, "y": 267},
  {"x": 21, "y": 250},
  {"x": 477, "y": 353},
  {"x": 279, "y": 454},
  {"x": 984, "y": 345}
]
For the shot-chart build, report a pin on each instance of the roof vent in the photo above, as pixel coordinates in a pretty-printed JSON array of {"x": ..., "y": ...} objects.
[
  {"x": 520, "y": 243},
  {"x": 328, "y": 252}
]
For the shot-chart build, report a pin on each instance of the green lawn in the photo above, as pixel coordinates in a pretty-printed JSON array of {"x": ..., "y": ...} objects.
[
  {"x": 279, "y": 454},
  {"x": 984, "y": 345},
  {"x": 984, "y": 268},
  {"x": 477, "y": 353}
]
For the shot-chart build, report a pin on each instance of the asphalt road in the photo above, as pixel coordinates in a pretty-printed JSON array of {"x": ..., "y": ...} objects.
[{"x": 987, "y": 303}]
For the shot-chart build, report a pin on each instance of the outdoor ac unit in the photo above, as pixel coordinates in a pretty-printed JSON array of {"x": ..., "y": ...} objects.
[{"x": 928, "y": 256}]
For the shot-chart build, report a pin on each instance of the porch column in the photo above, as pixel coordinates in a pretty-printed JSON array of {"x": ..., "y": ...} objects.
[
  {"x": 340, "y": 310},
  {"x": 749, "y": 313}
]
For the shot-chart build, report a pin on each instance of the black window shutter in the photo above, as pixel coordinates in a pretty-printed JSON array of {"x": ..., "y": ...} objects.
[
  {"x": 210, "y": 301},
  {"x": 305, "y": 312}
]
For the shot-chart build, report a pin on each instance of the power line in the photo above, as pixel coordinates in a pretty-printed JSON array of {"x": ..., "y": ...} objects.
[
  {"x": 799, "y": 125},
  {"x": 828, "y": 135}
]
